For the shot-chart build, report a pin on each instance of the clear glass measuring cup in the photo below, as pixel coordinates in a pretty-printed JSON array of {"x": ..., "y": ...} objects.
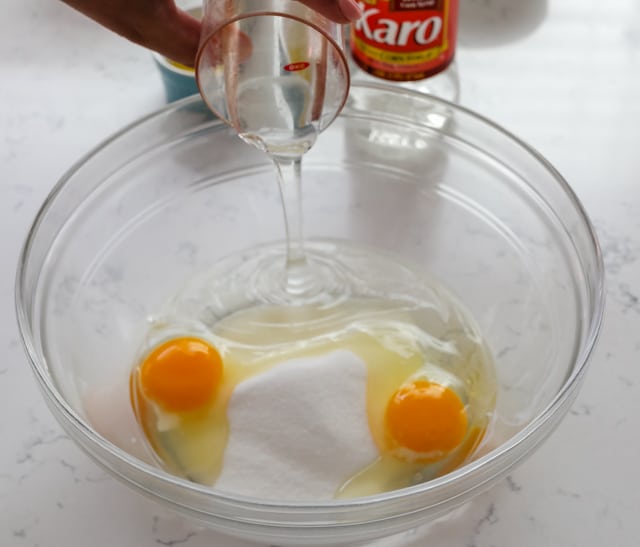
[{"x": 275, "y": 70}]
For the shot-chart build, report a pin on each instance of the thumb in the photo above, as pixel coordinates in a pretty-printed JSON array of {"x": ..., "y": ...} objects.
[
  {"x": 175, "y": 35},
  {"x": 155, "y": 24},
  {"x": 340, "y": 11}
]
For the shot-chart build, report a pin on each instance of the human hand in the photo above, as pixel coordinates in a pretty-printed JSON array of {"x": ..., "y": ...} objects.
[{"x": 159, "y": 25}]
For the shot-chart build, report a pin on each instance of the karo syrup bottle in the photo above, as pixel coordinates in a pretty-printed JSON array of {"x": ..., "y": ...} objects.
[{"x": 411, "y": 42}]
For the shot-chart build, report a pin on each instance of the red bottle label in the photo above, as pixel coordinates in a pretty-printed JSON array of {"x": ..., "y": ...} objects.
[
  {"x": 294, "y": 67},
  {"x": 405, "y": 39}
]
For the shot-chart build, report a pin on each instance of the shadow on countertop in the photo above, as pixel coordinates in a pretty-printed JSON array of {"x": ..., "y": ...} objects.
[{"x": 490, "y": 23}]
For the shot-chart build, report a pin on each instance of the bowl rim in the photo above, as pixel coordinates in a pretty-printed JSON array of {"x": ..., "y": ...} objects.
[{"x": 67, "y": 417}]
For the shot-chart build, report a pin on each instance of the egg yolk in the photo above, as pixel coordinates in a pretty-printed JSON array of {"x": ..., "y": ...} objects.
[
  {"x": 181, "y": 375},
  {"x": 427, "y": 418}
]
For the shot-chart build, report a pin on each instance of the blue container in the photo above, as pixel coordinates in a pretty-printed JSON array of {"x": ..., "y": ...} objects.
[{"x": 179, "y": 82}]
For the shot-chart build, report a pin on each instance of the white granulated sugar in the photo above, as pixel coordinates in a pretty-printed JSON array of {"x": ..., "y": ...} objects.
[{"x": 299, "y": 430}]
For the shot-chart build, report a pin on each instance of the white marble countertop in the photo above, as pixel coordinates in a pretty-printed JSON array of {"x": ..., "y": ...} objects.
[{"x": 563, "y": 75}]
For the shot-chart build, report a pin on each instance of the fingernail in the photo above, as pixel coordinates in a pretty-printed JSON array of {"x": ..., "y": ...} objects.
[{"x": 350, "y": 9}]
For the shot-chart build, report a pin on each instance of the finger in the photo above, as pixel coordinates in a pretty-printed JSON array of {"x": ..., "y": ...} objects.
[
  {"x": 340, "y": 11},
  {"x": 175, "y": 35},
  {"x": 229, "y": 46},
  {"x": 155, "y": 24}
]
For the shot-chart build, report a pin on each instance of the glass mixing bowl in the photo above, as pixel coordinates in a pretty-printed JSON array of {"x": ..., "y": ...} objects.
[{"x": 405, "y": 173}]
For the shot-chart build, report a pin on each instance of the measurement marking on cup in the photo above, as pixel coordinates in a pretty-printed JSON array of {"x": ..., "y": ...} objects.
[{"x": 294, "y": 67}]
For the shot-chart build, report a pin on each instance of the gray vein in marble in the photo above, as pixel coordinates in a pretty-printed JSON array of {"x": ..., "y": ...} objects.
[
  {"x": 187, "y": 253},
  {"x": 581, "y": 410},
  {"x": 504, "y": 351},
  {"x": 566, "y": 494},
  {"x": 513, "y": 330},
  {"x": 21, "y": 189},
  {"x": 179, "y": 541},
  {"x": 627, "y": 298},
  {"x": 513, "y": 485},
  {"x": 618, "y": 250},
  {"x": 41, "y": 441},
  {"x": 169, "y": 542},
  {"x": 21, "y": 192},
  {"x": 605, "y": 513},
  {"x": 64, "y": 293},
  {"x": 72, "y": 468},
  {"x": 102, "y": 477},
  {"x": 626, "y": 381},
  {"x": 23, "y": 532},
  {"x": 26, "y": 458},
  {"x": 489, "y": 519},
  {"x": 620, "y": 422}
]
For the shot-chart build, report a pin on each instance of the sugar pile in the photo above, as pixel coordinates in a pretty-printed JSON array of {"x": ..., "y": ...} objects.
[{"x": 299, "y": 430}]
